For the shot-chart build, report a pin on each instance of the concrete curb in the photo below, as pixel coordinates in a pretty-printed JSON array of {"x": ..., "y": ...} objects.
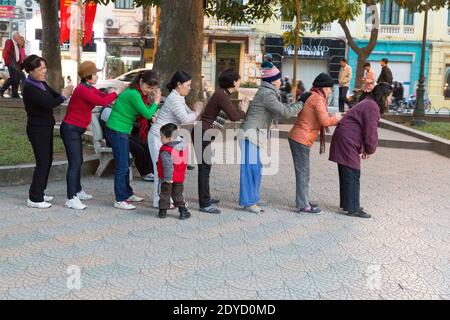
[
  {"x": 22, "y": 174},
  {"x": 437, "y": 144}
]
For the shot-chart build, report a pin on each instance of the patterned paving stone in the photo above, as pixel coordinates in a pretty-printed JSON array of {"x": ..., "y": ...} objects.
[{"x": 403, "y": 252}]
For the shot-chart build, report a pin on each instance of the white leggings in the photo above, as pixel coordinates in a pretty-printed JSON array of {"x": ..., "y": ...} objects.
[{"x": 154, "y": 144}]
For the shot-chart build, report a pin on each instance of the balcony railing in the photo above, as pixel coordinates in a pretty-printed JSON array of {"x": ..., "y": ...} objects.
[
  {"x": 393, "y": 30},
  {"x": 222, "y": 25},
  {"x": 289, "y": 25}
]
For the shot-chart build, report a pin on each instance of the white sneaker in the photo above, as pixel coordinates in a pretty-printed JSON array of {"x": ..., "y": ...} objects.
[
  {"x": 39, "y": 205},
  {"x": 48, "y": 198},
  {"x": 150, "y": 177},
  {"x": 83, "y": 195},
  {"x": 124, "y": 205},
  {"x": 135, "y": 198},
  {"x": 75, "y": 203}
]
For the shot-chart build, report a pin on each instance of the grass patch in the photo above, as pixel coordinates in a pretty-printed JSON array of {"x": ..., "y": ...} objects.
[
  {"x": 440, "y": 129},
  {"x": 14, "y": 145}
]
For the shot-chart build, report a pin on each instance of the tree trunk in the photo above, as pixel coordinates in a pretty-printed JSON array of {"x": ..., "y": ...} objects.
[
  {"x": 298, "y": 16},
  {"x": 51, "y": 50},
  {"x": 362, "y": 53},
  {"x": 180, "y": 43}
]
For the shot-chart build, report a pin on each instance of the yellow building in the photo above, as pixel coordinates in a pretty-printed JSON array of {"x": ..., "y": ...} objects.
[{"x": 400, "y": 37}]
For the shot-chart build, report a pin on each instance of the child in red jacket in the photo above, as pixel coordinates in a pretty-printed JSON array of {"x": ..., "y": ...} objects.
[{"x": 172, "y": 164}]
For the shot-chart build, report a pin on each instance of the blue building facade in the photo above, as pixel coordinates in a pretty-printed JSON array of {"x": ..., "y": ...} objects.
[{"x": 404, "y": 61}]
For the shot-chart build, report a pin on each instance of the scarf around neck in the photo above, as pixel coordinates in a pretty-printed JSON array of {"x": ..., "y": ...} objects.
[
  {"x": 144, "y": 126},
  {"x": 320, "y": 92}
]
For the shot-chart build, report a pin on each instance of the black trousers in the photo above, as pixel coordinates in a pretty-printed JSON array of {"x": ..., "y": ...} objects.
[
  {"x": 72, "y": 138},
  {"x": 41, "y": 138},
  {"x": 174, "y": 191},
  {"x": 141, "y": 156},
  {"x": 349, "y": 188},
  {"x": 343, "y": 91},
  {"x": 15, "y": 76},
  {"x": 204, "y": 165}
]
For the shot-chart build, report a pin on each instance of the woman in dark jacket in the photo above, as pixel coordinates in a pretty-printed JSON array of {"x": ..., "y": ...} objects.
[
  {"x": 39, "y": 100},
  {"x": 356, "y": 137},
  {"x": 218, "y": 109}
]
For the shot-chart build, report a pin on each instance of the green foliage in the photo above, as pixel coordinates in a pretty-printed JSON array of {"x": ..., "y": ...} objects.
[
  {"x": 249, "y": 84},
  {"x": 14, "y": 145},
  {"x": 440, "y": 129},
  {"x": 420, "y": 5}
]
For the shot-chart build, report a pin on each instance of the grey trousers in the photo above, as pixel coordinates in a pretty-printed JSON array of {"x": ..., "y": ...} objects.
[{"x": 300, "y": 155}]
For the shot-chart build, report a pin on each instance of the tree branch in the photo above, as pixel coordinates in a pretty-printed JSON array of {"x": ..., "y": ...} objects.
[{"x": 349, "y": 37}]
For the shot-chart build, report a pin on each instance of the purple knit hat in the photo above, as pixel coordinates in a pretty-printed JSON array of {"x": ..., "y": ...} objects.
[{"x": 269, "y": 72}]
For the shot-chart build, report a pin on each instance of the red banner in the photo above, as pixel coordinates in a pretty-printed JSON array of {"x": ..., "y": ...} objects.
[
  {"x": 7, "y": 12},
  {"x": 65, "y": 9},
  {"x": 89, "y": 17}
]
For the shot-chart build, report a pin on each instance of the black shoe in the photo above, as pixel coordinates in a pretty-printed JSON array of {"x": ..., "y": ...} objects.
[
  {"x": 211, "y": 210},
  {"x": 2, "y": 94},
  {"x": 189, "y": 167},
  {"x": 359, "y": 214},
  {"x": 314, "y": 205},
  {"x": 360, "y": 209},
  {"x": 162, "y": 213},
  {"x": 214, "y": 201},
  {"x": 184, "y": 214}
]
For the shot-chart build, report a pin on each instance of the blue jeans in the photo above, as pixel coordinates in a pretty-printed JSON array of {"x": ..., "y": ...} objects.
[
  {"x": 121, "y": 151},
  {"x": 72, "y": 138},
  {"x": 251, "y": 172}
]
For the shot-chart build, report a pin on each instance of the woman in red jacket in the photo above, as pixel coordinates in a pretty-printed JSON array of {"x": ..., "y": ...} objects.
[{"x": 78, "y": 117}]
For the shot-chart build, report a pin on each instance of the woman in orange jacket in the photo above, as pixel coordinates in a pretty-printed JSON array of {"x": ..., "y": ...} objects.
[{"x": 313, "y": 118}]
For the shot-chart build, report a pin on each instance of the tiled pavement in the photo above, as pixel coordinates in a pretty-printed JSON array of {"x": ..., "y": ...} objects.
[{"x": 403, "y": 252}]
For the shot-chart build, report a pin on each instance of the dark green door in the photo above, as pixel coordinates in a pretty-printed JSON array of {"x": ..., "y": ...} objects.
[{"x": 227, "y": 56}]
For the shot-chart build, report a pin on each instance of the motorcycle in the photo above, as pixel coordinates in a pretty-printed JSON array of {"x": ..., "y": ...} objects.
[{"x": 407, "y": 105}]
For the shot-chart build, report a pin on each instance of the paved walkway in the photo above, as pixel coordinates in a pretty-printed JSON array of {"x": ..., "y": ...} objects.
[{"x": 403, "y": 252}]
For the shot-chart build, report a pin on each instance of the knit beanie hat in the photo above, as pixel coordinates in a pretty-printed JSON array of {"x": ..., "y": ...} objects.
[
  {"x": 323, "y": 80},
  {"x": 269, "y": 72}
]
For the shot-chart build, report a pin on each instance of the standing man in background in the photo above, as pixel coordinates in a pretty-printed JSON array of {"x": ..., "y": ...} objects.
[
  {"x": 12, "y": 59},
  {"x": 386, "y": 73},
  {"x": 345, "y": 76},
  {"x": 368, "y": 81}
]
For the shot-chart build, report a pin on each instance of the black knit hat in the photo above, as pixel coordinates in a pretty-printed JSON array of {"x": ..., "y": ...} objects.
[{"x": 323, "y": 80}]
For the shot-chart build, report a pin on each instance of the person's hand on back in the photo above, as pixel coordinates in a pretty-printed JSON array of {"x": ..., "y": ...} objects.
[
  {"x": 67, "y": 91},
  {"x": 338, "y": 116}
]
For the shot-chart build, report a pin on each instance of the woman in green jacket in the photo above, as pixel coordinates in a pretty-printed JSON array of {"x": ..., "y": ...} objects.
[{"x": 130, "y": 104}]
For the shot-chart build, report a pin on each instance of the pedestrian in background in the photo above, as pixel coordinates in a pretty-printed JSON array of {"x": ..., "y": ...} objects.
[
  {"x": 12, "y": 59},
  {"x": 345, "y": 76},
  {"x": 386, "y": 73},
  {"x": 368, "y": 81}
]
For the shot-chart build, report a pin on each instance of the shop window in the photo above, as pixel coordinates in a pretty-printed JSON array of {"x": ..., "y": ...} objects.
[
  {"x": 447, "y": 82},
  {"x": 124, "y": 4},
  {"x": 390, "y": 12},
  {"x": 370, "y": 15},
  {"x": 448, "y": 17},
  {"x": 408, "y": 19}
]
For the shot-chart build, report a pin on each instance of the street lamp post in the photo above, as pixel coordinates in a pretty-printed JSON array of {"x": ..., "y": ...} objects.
[{"x": 419, "y": 109}]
